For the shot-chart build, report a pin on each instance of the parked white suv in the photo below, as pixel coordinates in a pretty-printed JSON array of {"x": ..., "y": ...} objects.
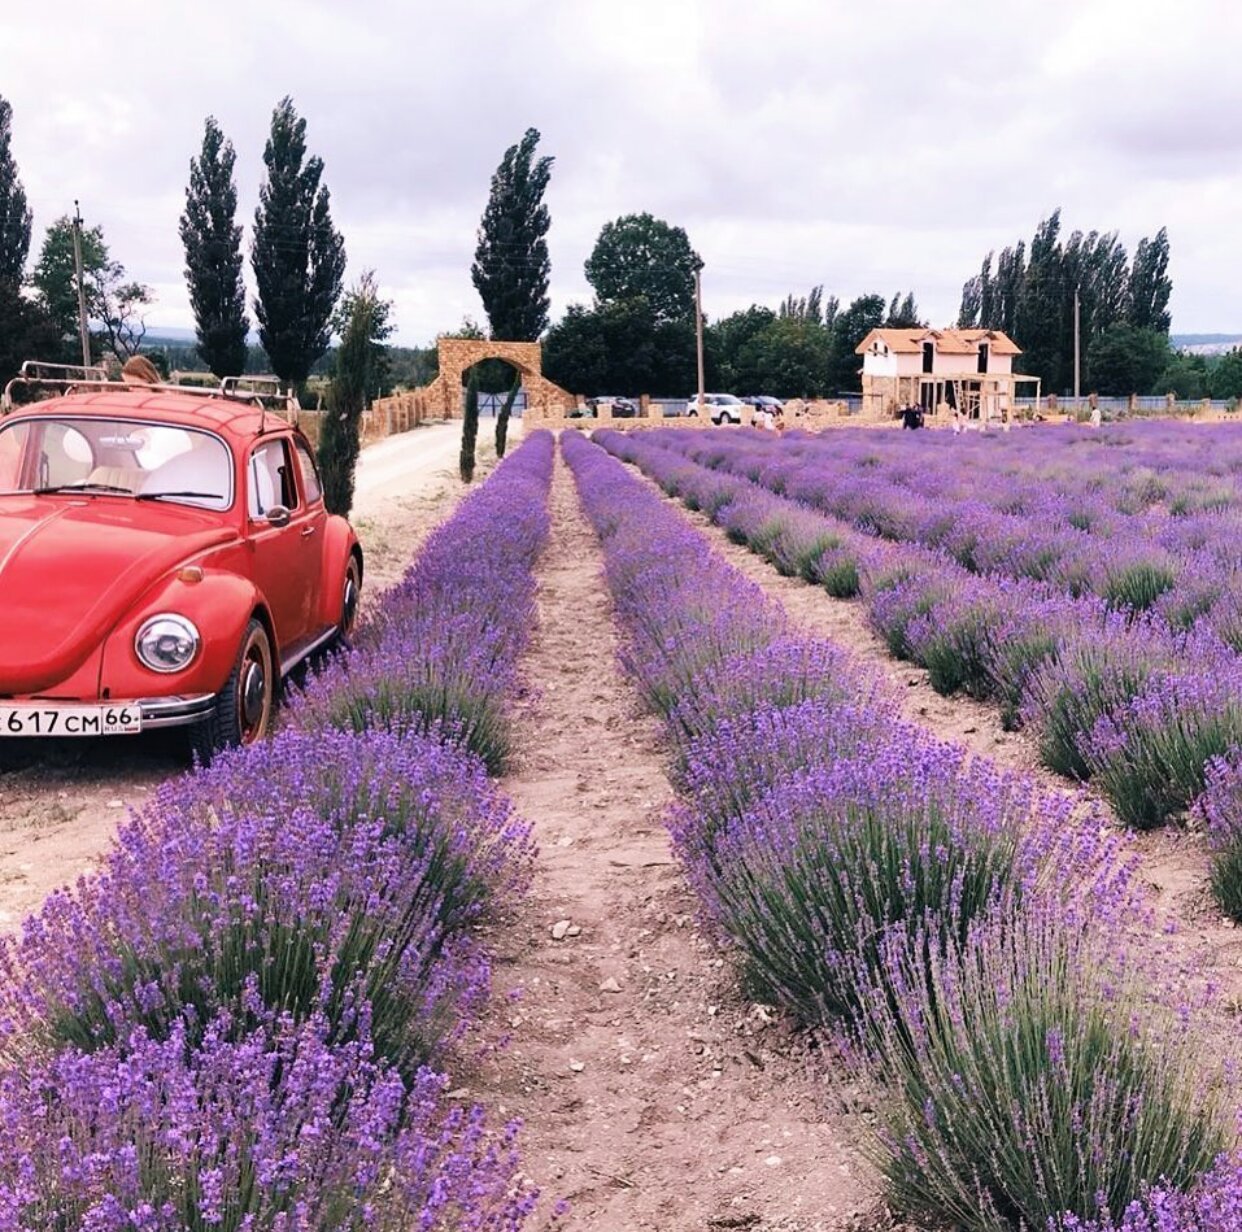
[{"x": 723, "y": 408}]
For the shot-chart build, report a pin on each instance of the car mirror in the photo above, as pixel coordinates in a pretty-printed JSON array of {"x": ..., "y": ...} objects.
[{"x": 277, "y": 515}]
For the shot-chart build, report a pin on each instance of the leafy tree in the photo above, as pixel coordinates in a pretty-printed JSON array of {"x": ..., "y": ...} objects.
[
  {"x": 725, "y": 341},
  {"x": 470, "y": 428},
  {"x": 502, "y": 419},
  {"x": 641, "y": 257},
  {"x": 1149, "y": 289},
  {"x": 811, "y": 307},
  {"x": 852, "y": 325},
  {"x": 213, "y": 258},
  {"x": 114, "y": 304},
  {"x": 15, "y": 215},
  {"x": 1124, "y": 360},
  {"x": 26, "y": 332},
  {"x": 787, "y": 358},
  {"x": 511, "y": 265},
  {"x": 1225, "y": 380},
  {"x": 298, "y": 256},
  {"x": 1041, "y": 306},
  {"x": 1184, "y": 375},
  {"x": 904, "y": 313},
  {"x": 359, "y": 372}
]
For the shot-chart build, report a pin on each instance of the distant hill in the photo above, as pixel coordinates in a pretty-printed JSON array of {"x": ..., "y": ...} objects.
[{"x": 1206, "y": 344}]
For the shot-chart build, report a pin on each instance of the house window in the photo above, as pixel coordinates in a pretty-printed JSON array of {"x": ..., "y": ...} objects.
[
  {"x": 983, "y": 357},
  {"x": 929, "y": 356}
]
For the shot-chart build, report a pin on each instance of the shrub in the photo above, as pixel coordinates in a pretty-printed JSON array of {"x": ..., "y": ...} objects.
[
  {"x": 274, "y": 1130},
  {"x": 1025, "y": 1074},
  {"x": 312, "y": 874},
  {"x": 1220, "y": 806},
  {"x": 896, "y": 838}
]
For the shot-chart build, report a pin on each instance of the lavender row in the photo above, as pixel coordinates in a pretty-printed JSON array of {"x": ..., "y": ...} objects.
[
  {"x": 442, "y": 649},
  {"x": 929, "y": 908},
  {"x": 1141, "y": 710},
  {"x": 242, "y": 1019}
]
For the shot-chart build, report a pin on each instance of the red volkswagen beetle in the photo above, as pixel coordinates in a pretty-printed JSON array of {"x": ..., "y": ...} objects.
[{"x": 165, "y": 561}]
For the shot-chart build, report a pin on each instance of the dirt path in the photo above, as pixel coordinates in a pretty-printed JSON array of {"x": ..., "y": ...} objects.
[
  {"x": 59, "y": 813},
  {"x": 1175, "y": 862},
  {"x": 653, "y": 1097}
]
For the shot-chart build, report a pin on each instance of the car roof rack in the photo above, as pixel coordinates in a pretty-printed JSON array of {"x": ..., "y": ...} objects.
[{"x": 261, "y": 391}]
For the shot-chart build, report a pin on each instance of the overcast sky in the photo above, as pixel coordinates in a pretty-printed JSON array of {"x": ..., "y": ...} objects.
[{"x": 876, "y": 146}]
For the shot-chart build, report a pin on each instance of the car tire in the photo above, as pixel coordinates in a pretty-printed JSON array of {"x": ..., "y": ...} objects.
[
  {"x": 244, "y": 707},
  {"x": 350, "y": 593}
]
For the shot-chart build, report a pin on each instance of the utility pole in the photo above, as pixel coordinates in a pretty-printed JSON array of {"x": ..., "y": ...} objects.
[
  {"x": 77, "y": 264},
  {"x": 698, "y": 330},
  {"x": 1077, "y": 368}
]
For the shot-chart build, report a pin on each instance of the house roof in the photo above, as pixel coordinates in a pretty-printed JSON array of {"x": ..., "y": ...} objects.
[{"x": 946, "y": 341}]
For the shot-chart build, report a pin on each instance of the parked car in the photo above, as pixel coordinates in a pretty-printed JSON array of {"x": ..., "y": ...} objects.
[
  {"x": 622, "y": 408},
  {"x": 166, "y": 560},
  {"x": 764, "y": 401},
  {"x": 723, "y": 408}
]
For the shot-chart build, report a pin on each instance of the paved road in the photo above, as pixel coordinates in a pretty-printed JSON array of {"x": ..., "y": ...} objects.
[{"x": 400, "y": 465}]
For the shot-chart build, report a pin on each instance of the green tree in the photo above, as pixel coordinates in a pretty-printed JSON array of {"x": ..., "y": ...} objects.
[
  {"x": 904, "y": 313},
  {"x": 502, "y": 419},
  {"x": 115, "y": 304},
  {"x": 1124, "y": 360},
  {"x": 26, "y": 332},
  {"x": 358, "y": 374},
  {"x": 1184, "y": 375},
  {"x": 1149, "y": 289},
  {"x": 298, "y": 256},
  {"x": 15, "y": 215},
  {"x": 641, "y": 257},
  {"x": 1225, "y": 380},
  {"x": 511, "y": 266},
  {"x": 787, "y": 358},
  {"x": 852, "y": 325},
  {"x": 213, "y": 257},
  {"x": 470, "y": 427},
  {"x": 728, "y": 338}
]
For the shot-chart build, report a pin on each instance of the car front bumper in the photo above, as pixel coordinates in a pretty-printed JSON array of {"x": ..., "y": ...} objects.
[{"x": 175, "y": 711}]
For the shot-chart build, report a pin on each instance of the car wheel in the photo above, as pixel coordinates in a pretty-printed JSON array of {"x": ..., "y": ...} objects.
[
  {"x": 350, "y": 594},
  {"x": 243, "y": 710}
]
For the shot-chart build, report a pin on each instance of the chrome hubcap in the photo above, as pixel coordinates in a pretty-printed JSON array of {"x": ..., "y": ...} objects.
[
  {"x": 350, "y": 606},
  {"x": 253, "y": 693}
]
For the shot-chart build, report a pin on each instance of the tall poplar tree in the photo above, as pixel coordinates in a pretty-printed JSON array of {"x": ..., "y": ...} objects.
[
  {"x": 1149, "y": 290},
  {"x": 15, "y": 215},
  {"x": 298, "y": 256},
  {"x": 213, "y": 257},
  {"x": 511, "y": 265}
]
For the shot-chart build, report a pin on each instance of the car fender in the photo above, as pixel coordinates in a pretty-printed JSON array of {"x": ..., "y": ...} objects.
[
  {"x": 219, "y": 603},
  {"x": 339, "y": 543}
]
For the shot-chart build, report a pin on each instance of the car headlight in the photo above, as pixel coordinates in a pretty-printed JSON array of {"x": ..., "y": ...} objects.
[{"x": 167, "y": 643}]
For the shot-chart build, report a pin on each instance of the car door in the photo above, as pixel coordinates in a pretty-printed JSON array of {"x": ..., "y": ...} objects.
[
  {"x": 282, "y": 552},
  {"x": 313, "y": 536}
]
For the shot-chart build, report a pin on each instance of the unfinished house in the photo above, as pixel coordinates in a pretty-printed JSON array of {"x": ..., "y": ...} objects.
[{"x": 942, "y": 371}]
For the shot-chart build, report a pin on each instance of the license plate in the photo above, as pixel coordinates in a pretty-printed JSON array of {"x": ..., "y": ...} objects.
[{"x": 69, "y": 720}]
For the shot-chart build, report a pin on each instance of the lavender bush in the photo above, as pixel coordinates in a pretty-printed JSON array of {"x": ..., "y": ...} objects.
[
  {"x": 1220, "y": 807},
  {"x": 443, "y": 647}
]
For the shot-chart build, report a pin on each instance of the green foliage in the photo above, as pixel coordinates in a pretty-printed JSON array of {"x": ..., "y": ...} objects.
[
  {"x": 15, "y": 215},
  {"x": 1185, "y": 376},
  {"x": 1226, "y": 377},
  {"x": 1147, "y": 295},
  {"x": 642, "y": 257},
  {"x": 1227, "y": 876},
  {"x": 787, "y": 358},
  {"x": 114, "y": 305},
  {"x": 511, "y": 266},
  {"x": 360, "y": 361},
  {"x": 298, "y": 256},
  {"x": 470, "y": 427},
  {"x": 852, "y": 326},
  {"x": 904, "y": 313},
  {"x": 1126, "y": 360},
  {"x": 27, "y": 331},
  {"x": 213, "y": 258},
  {"x": 502, "y": 419}
]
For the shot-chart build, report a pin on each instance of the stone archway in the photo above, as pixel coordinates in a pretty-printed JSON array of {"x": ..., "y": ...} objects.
[{"x": 443, "y": 395}]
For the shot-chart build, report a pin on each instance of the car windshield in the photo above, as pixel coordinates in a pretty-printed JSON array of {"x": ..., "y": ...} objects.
[{"x": 118, "y": 457}]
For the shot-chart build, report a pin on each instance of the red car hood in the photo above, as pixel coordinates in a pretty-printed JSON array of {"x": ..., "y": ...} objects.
[{"x": 70, "y": 569}]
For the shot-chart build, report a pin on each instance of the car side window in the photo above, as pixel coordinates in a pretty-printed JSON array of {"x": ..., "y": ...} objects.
[
  {"x": 271, "y": 478},
  {"x": 310, "y": 474}
]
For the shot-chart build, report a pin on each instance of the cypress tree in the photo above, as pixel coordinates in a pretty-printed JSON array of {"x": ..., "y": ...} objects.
[
  {"x": 363, "y": 327},
  {"x": 15, "y": 215},
  {"x": 502, "y": 420},
  {"x": 470, "y": 426},
  {"x": 298, "y": 256},
  {"x": 511, "y": 264},
  {"x": 213, "y": 258}
]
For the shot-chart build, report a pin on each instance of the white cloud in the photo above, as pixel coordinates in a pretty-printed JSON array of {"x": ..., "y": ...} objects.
[{"x": 870, "y": 147}]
